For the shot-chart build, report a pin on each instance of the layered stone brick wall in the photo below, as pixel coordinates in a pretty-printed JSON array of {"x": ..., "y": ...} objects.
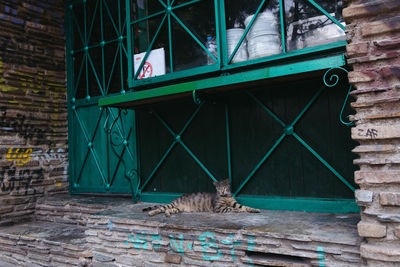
[
  {"x": 373, "y": 31},
  {"x": 33, "y": 125}
]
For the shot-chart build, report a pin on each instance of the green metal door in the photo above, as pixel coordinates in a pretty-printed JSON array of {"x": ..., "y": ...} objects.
[{"x": 102, "y": 141}]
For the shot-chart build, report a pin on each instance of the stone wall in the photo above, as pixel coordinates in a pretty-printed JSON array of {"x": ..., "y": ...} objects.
[
  {"x": 33, "y": 125},
  {"x": 373, "y": 31},
  {"x": 47, "y": 244},
  {"x": 67, "y": 212}
]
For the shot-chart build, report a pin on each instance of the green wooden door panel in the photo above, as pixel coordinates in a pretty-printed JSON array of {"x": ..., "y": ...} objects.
[
  {"x": 103, "y": 150},
  {"x": 102, "y": 141}
]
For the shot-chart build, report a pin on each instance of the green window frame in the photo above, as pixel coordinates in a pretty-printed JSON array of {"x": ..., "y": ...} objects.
[{"x": 223, "y": 61}]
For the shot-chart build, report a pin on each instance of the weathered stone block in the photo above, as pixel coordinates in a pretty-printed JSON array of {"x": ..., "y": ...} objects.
[
  {"x": 103, "y": 257},
  {"x": 357, "y": 49},
  {"x": 375, "y": 132},
  {"x": 91, "y": 233},
  {"x": 381, "y": 252},
  {"x": 364, "y": 196},
  {"x": 6, "y": 209},
  {"x": 389, "y": 71},
  {"x": 103, "y": 264},
  {"x": 362, "y": 76},
  {"x": 389, "y": 198},
  {"x": 350, "y": 258},
  {"x": 377, "y": 177},
  {"x": 369, "y": 8},
  {"x": 397, "y": 232},
  {"x": 6, "y": 241},
  {"x": 371, "y": 229},
  {"x": 387, "y": 43},
  {"x": 380, "y": 27},
  {"x": 39, "y": 257},
  {"x": 389, "y": 217}
]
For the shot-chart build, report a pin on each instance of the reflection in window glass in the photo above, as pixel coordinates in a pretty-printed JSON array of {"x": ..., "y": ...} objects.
[
  {"x": 143, "y": 8},
  {"x": 187, "y": 32},
  {"x": 157, "y": 62},
  {"x": 200, "y": 21},
  {"x": 183, "y": 34},
  {"x": 307, "y": 26}
]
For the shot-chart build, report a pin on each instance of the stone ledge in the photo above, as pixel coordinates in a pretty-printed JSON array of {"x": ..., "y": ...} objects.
[
  {"x": 377, "y": 101},
  {"x": 377, "y": 161},
  {"x": 374, "y": 148},
  {"x": 207, "y": 239},
  {"x": 369, "y": 90},
  {"x": 387, "y": 43},
  {"x": 383, "y": 216},
  {"x": 122, "y": 235}
]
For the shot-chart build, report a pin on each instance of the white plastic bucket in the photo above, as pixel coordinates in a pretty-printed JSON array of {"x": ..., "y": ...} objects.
[
  {"x": 264, "y": 45},
  {"x": 232, "y": 39}
]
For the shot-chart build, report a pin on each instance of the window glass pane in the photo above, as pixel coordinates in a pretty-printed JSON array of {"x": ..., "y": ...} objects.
[
  {"x": 144, "y": 8},
  {"x": 78, "y": 27},
  {"x": 307, "y": 26},
  {"x": 79, "y": 76},
  {"x": 180, "y": 2},
  {"x": 182, "y": 34},
  {"x": 263, "y": 38},
  {"x": 157, "y": 62},
  {"x": 199, "y": 20},
  {"x": 188, "y": 27}
]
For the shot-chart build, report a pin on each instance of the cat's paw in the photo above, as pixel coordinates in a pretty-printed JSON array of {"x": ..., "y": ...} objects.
[{"x": 255, "y": 211}]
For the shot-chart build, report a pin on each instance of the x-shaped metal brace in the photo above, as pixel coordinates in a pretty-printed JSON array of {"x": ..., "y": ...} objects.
[
  {"x": 177, "y": 139},
  {"x": 288, "y": 129}
]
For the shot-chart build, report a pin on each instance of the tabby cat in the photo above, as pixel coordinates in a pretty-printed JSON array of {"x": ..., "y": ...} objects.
[{"x": 219, "y": 202}]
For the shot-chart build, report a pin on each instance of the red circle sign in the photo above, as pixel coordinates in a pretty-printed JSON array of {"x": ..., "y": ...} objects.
[{"x": 146, "y": 71}]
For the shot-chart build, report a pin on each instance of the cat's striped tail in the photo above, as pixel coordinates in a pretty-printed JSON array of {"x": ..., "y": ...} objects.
[
  {"x": 159, "y": 209},
  {"x": 151, "y": 208}
]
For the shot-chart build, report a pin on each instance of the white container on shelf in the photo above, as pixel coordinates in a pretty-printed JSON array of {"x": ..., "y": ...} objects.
[
  {"x": 232, "y": 39},
  {"x": 264, "y": 45},
  {"x": 265, "y": 23},
  {"x": 263, "y": 38}
]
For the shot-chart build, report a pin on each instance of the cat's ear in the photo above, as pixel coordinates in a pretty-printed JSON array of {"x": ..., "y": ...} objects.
[
  {"x": 215, "y": 183},
  {"x": 226, "y": 181}
]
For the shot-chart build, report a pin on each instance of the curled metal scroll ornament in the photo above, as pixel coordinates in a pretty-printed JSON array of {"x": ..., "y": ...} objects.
[
  {"x": 118, "y": 139},
  {"x": 196, "y": 98},
  {"x": 331, "y": 79}
]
